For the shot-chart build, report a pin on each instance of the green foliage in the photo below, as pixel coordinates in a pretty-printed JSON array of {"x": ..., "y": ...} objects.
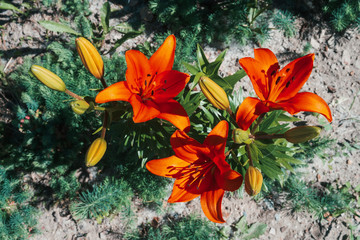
[
  {"x": 47, "y": 136},
  {"x": 17, "y": 217},
  {"x": 214, "y": 21},
  {"x": 70, "y": 7},
  {"x": 245, "y": 232},
  {"x": 284, "y": 20},
  {"x": 65, "y": 186},
  {"x": 320, "y": 199},
  {"x": 342, "y": 14},
  {"x": 109, "y": 197},
  {"x": 177, "y": 229}
]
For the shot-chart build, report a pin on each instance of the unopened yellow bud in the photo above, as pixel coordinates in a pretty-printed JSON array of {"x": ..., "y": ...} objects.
[
  {"x": 214, "y": 93},
  {"x": 79, "y": 106},
  {"x": 240, "y": 136},
  {"x": 90, "y": 57},
  {"x": 253, "y": 181},
  {"x": 48, "y": 78},
  {"x": 95, "y": 152},
  {"x": 302, "y": 134}
]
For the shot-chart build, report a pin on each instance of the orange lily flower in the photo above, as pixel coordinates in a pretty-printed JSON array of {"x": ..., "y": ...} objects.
[
  {"x": 150, "y": 86},
  {"x": 200, "y": 170},
  {"x": 278, "y": 89}
]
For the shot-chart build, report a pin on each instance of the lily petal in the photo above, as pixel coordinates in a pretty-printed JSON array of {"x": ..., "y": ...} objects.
[
  {"x": 166, "y": 167},
  {"x": 306, "y": 101},
  {"x": 211, "y": 205},
  {"x": 163, "y": 59},
  {"x": 257, "y": 74},
  {"x": 218, "y": 136},
  {"x": 138, "y": 69},
  {"x": 143, "y": 110},
  {"x": 184, "y": 146},
  {"x": 179, "y": 194},
  {"x": 230, "y": 180},
  {"x": 249, "y": 110},
  {"x": 291, "y": 78},
  {"x": 170, "y": 84},
  {"x": 117, "y": 92},
  {"x": 173, "y": 112}
]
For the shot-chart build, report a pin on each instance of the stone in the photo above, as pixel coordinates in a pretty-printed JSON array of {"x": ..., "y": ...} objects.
[
  {"x": 345, "y": 59},
  {"x": 314, "y": 43},
  {"x": 272, "y": 231}
]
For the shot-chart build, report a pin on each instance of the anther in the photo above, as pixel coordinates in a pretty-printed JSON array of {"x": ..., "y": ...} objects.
[{"x": 277, "y": 80}]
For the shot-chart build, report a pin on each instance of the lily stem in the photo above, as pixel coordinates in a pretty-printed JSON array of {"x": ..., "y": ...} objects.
[
  {"x": 257, "y": 123},
  {"x": 103, "y": 130},
  {"x": 232, "y": 115},
  {"x": 247, "y": 147},
  {"x": 70, "y": 93},
  {"x": 270, "y": 136},
  {"x": 103, "y": 82}
]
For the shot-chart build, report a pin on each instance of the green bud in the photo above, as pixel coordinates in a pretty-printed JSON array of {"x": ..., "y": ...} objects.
[
  {"x": 302, "y": 134},
  {"x": 79, "y": 106},
  {"x": 240, "y": 136}
]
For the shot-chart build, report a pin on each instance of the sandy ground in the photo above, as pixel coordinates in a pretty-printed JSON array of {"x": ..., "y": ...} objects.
[{"x": 336, "y": 78}]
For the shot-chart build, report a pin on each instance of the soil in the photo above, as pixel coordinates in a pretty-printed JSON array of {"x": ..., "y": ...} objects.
[{"x": 336, "y": 78}]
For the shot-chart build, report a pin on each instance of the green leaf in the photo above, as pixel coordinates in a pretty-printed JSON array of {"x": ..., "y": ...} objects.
[
  {"x": 357, "y": 188},
  {"x": 242, "y": 224},
  {"x": 270, "y": 168},
  {"x": 285, "y": 118},
  {"x": 8, "y": 6},
  {"x": 196, "y": 79},
  {"x": 255, "y": 152},
  {"x": 202, "y": 60},
  {"x": 283, "y": 162},
  {"x": 58, "y": 27},
  {"x": 207, "y": 114},
  {"x": 269, "y": 120},
  {"x": 255, "y": 231},
  {"x": 126, "y": 37},
  {"x": 192, "y": 69},
  {"x": 105, "y": 16},
  {"x": 233, "y": 79}
]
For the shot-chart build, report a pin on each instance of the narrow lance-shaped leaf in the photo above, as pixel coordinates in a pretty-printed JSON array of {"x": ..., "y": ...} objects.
[
  {"x": 192, "y": 69},
  {"x": 202, "y": 60},
  {"x": 126, "y": 37},
  {"x": 233, "y": 79},
  {"x": 105, "y": 16},
  {"x": 58, "y": 27},
  {"x": 9, "y": 6}
]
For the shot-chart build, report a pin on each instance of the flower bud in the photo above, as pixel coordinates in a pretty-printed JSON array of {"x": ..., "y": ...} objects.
[
  {"x": 253, "y": 181},
  {"x": 214, "y": 93},
  {"x": 79, "y": 106},
  {"x": 95, "y": 152},
  {"x": 302, "y": 134},
  {"x": 48, "y": 78},
  {"x": 90, "y": 57},
  {"x": 240, "y": 136}
]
